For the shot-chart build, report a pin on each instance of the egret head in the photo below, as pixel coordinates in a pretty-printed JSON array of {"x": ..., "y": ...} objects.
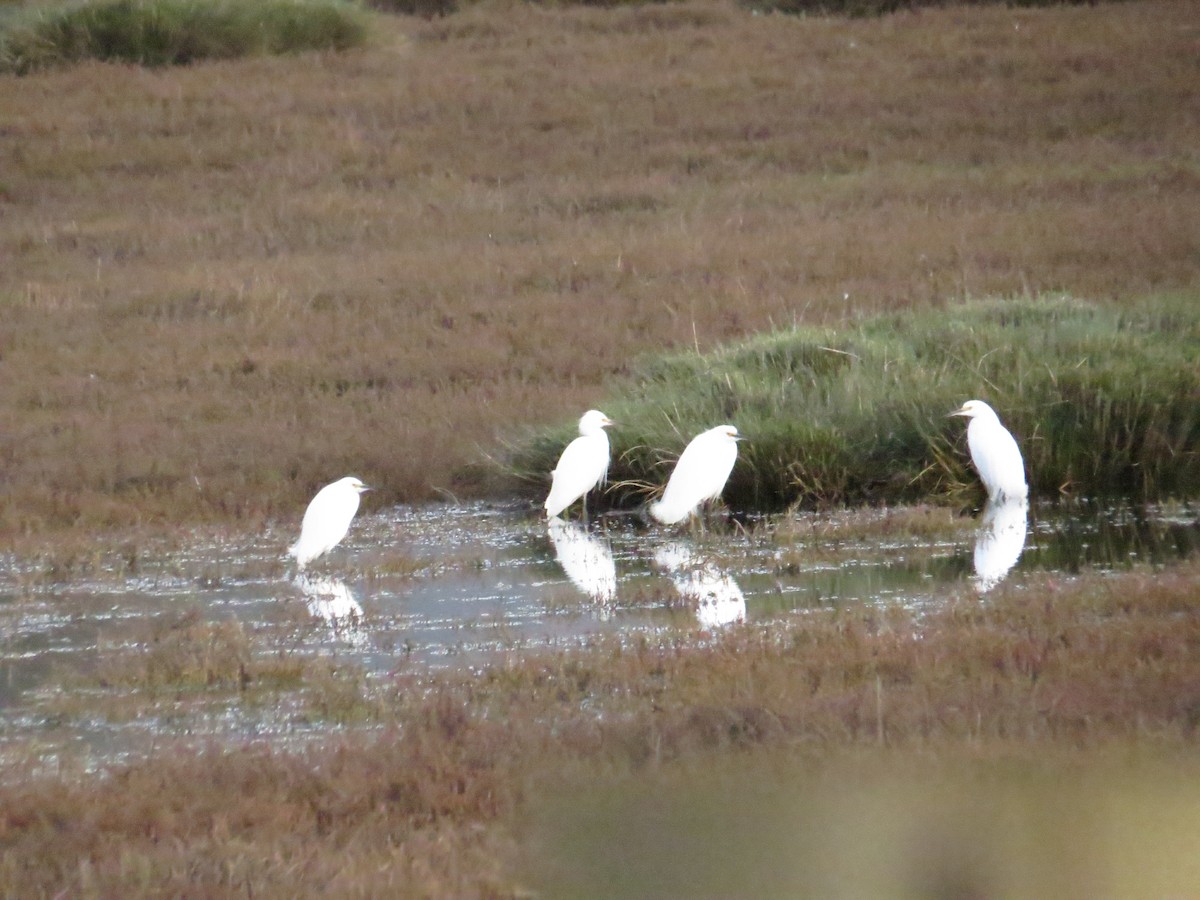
[
  {"x": 973, "y": 408},
  {"x": 730, "y": 432},
  {"x": 351, "y": 482},
  {"x": 593, "y": 421}
]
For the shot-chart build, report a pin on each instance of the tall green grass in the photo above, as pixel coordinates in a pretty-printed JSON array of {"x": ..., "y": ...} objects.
[
  {"x": 1102, "y": 401},
  {"x": 175, "y": 32}
]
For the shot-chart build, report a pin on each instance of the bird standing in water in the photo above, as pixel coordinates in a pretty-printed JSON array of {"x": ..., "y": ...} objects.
[
  {"x": 994, "y": 452},
  {"x": 582, "y": 466},
  {"x": 327, "y": 519},
  {"x": 699, "y": 475}
]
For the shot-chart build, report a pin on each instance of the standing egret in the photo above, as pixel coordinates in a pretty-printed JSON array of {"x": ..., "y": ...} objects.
[
  {"x": 700, "y": 474},
  {"x": 327, "y": 519},
  {"x": 582, "y": 466},
  {"x": 994, "y": 452}
]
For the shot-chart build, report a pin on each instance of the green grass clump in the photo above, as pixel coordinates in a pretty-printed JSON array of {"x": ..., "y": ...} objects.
[
  {"x": 1102, "y": 401},
  {"x": 176, "y": 32}
]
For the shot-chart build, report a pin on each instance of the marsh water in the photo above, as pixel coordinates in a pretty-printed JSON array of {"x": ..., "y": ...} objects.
[{"x": 465, "y": 585}]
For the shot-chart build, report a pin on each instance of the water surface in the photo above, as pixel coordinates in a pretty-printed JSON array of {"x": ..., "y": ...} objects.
[{"x": 459, "y": 585}]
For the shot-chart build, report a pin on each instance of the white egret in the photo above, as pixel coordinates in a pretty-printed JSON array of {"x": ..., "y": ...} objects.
[
  {"x": 327, "y": 519},
  {"x": 582, "y": 466},
  {"x": 699, "y": 475},
  {"x": 994, "y": 452}
]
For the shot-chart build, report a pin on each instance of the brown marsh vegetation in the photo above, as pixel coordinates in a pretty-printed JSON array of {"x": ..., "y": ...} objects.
[
  {"x": 226, "y": 284},
  {"x": 223, "y": 285}
]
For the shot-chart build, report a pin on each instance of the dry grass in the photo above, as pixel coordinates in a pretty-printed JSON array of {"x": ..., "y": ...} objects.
[
  {"x": 226, "y": 284},
  {"x": 1049, "y": 683}
]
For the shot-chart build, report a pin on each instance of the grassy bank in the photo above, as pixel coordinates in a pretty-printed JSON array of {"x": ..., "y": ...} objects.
[
  {"x": 227, "y": 284},
  {"x": 1102, "y": 401},
  {"x": 1053, "y": 694},
  {"x": 174, "y": 32}
]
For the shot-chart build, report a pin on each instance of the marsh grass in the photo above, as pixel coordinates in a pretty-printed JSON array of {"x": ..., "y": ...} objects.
[
  {"x": 1101, "y": 400},
  {"x": 869, "y": 524},
  {"x": 1089, "y": 678},
  {"x": 875, "y": 532},
  {"x": 225, "y": 285},
  {"x": 182, "y": 667},
  {"x": 174, "y": 32},
  {"x": 192, "y": 655},
  {"x": 38, "y": 562}
]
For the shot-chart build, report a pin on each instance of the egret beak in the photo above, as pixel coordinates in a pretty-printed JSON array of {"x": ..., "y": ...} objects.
[{"x": 958, "y": 412}]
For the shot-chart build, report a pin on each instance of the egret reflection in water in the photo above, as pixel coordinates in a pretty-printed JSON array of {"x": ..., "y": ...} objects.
[
  {"x": 585, "y": 558},
  {"x": 330, "y": 600},
  {"x": 719, "y": 601},
  {"x": 999, "y": 541}
]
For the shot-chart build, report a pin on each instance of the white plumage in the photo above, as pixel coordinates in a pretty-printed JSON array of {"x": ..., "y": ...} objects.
[
  {"x": 327, "y": 519},
  {"x": 583, "y": 464},
  {"x": 699, "y": 475},
  {"x": 994, "y": 452}
]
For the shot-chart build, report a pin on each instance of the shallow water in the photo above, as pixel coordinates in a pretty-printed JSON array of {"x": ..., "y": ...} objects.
[{"x": 458, "y": 585}]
